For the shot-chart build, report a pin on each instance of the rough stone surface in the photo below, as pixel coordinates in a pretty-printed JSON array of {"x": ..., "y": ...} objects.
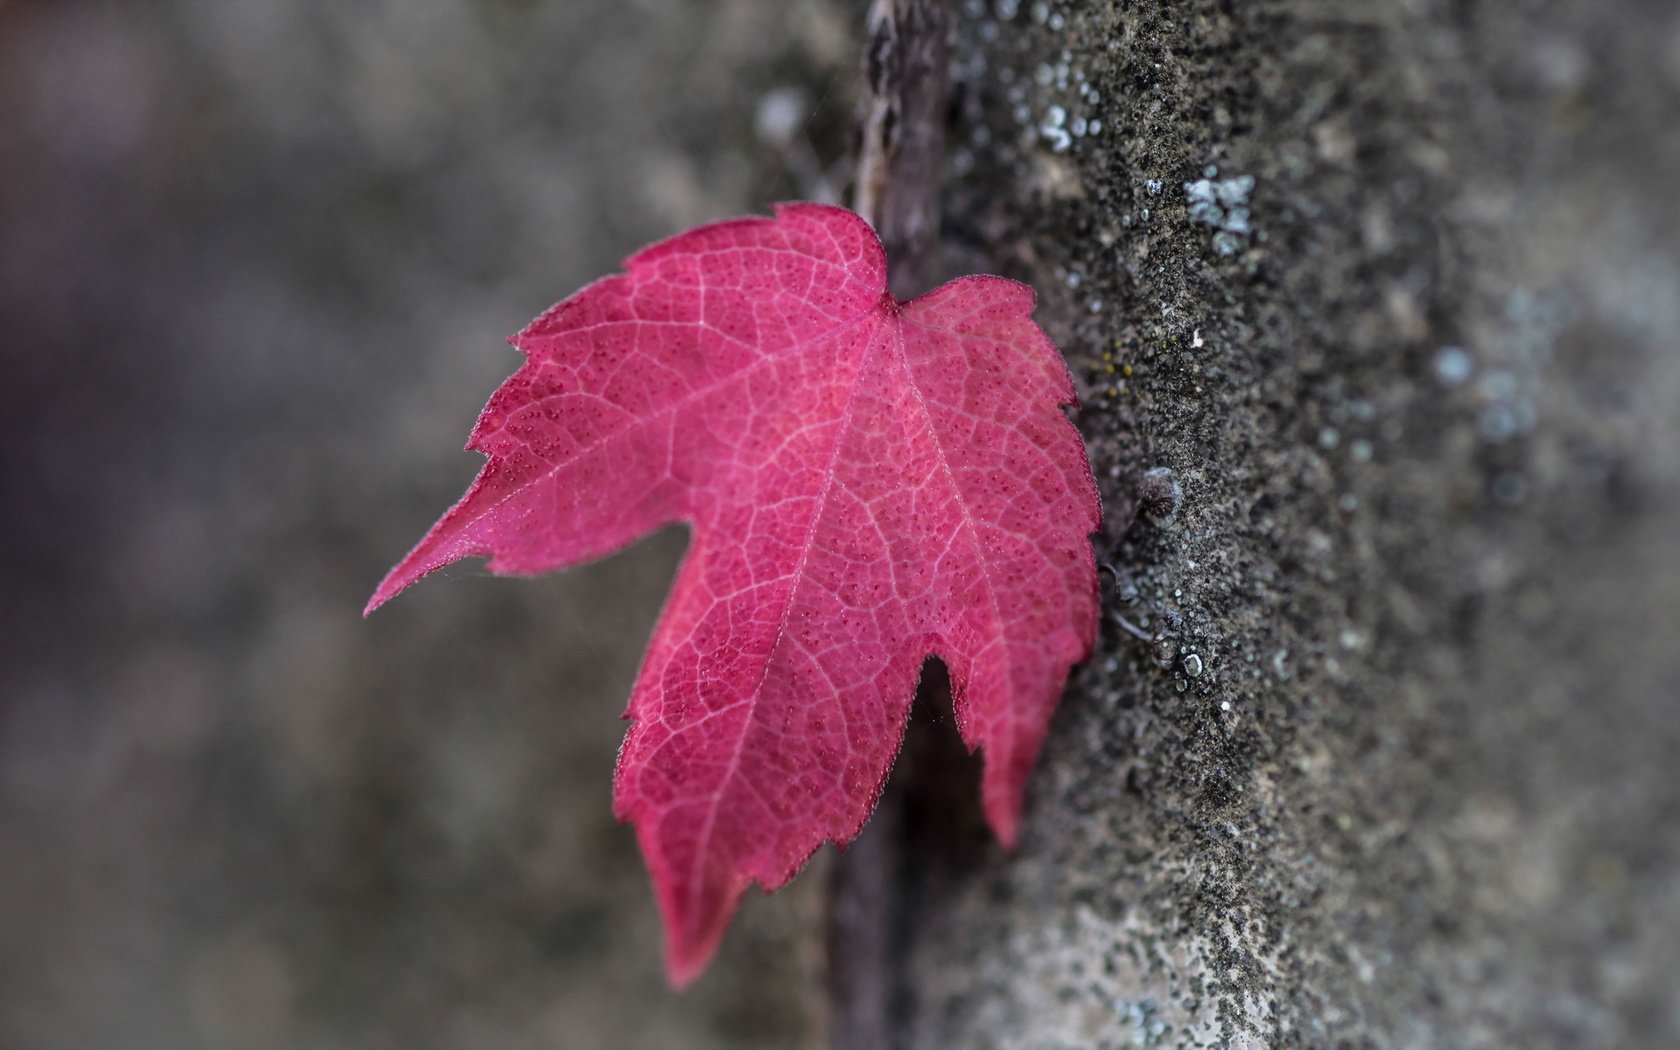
[{"x": 1394, "y": 291}]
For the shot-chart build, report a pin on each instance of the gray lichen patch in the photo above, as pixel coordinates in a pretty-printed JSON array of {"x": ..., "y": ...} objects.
[{"x": 1223, "y": 206}]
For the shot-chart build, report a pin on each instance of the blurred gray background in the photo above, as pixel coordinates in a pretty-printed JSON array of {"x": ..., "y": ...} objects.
[{"x": 257, "y": 260}]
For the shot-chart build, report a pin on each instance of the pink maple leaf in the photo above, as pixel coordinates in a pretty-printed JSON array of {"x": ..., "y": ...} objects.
[{"x": 868, "y": 482}]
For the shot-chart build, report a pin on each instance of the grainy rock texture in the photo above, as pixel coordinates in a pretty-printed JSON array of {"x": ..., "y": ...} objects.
[{"x": 1394, "y": 292}]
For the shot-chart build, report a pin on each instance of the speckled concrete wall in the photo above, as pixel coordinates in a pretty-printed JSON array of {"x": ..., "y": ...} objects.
[{"x": 1394, "y": 291}]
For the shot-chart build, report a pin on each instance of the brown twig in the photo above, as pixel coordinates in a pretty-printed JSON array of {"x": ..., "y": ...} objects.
[
  {"x": 901, "y": 158},
  {"x": 901, "y": 161},
  {"x": 861, "y": 975}
]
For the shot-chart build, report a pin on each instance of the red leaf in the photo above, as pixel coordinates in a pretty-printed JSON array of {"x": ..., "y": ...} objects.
[{"x": 868, "y": 482}]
